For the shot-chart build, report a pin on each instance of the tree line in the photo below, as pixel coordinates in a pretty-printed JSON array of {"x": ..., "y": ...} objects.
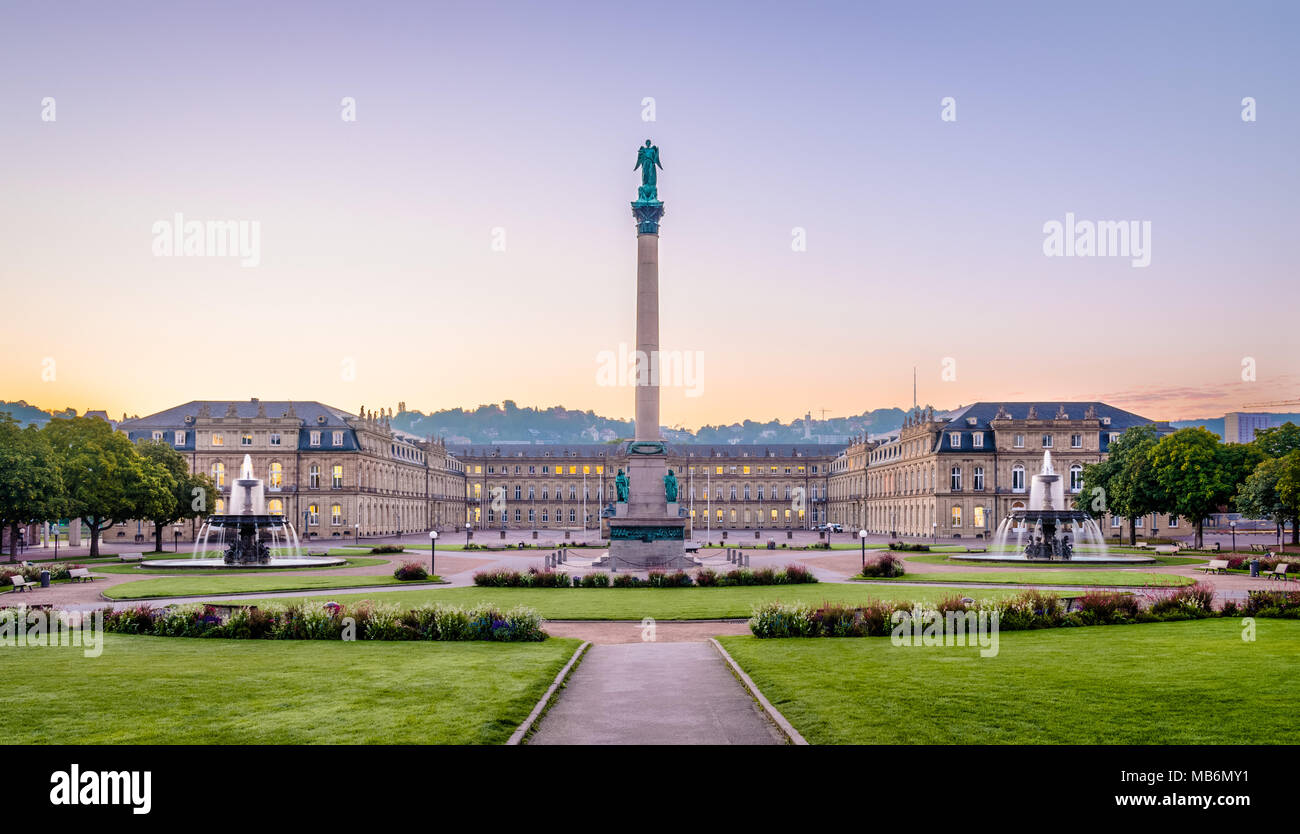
[
  {"x": 1192, "y": 474},
  {"x": 80, "y": 467}
]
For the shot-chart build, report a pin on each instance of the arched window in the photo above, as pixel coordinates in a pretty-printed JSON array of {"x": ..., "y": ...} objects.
[
  {"x": 313, "y": 514},
  {"x": 276, "y": 480},
  {"x": 219, "y": 474},
  {"x": 275, "y": 506},
  {"x": 336, "y": 514},
  {"x": 1017, "y": 478},
  {"x": 956, "y": 516},
  {"x": 1076, "y": 478},
  {"x": 220, "y": 506}
]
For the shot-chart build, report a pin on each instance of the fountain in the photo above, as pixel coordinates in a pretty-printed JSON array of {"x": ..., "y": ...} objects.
[
  {"x": 249, "y": 534},
  {"x": 1050, "y": 529}
]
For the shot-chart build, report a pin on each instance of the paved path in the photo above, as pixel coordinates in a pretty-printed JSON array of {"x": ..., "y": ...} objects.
[{"x": 655, "y": 693}]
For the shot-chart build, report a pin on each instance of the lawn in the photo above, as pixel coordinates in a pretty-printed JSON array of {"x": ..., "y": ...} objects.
[
  {"x": 191, "y": 585},
  {"x": 661, "y": 603},
  {"x": 136, "y": 570},
  {"x": 1193, "y": 682},
  {"x": 171, "y": 690},
  {"x": 1111, "y": 578}
]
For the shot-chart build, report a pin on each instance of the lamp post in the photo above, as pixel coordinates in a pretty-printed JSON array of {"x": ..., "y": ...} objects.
[
  {"x": 935, "y": 526},
  {"x": 433, "y": 552},
  {"x": 862, "y": 534},
  {"x": 468, "y": 527},
  {"x": 1233, "y": 525},
  {"x": 176, "y": 539},
  {"x": 356, "y": 534}
]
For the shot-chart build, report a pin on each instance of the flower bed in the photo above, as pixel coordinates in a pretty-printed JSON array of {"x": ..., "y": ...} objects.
[
  {"x": 32, "y": 573},
  {"x": 331, "y": 621},
  {"x": 704, "y": 578},
  {"x": 1030, "y": 610}
]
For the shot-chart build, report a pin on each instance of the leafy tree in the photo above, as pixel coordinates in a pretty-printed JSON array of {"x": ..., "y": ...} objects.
[
  {"x": 1279, "y": 440},
  {"x": 31, "y": 488},
  {"x": 1127, "y": 480},
  {"x": 189, "y": 492},
  {"x": 105, "y": 479},
  {"x": 1258, "y": 496},
  {"x": 1199, "y": 475},
  {"x": 1275, "y": 443}
]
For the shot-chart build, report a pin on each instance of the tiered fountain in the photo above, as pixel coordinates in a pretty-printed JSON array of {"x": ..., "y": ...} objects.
[
  {"x": 248, "y": 534},
  {"x": 1050, "y": 529}
]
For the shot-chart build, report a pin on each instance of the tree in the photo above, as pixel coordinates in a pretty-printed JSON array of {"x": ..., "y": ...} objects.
[
  {"x": 1258, "y": 496},
  {"x": 31, "y": 488},
  {"x": 189, "y": 492},
  {"x": 1127, "y": 480},
  {"x": 1198, "y": 475},
  {"x": 1275, "y": 443},
  {"x": 105, "y": 479}
]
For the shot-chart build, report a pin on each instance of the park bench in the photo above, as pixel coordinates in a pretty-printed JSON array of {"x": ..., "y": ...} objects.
[
  {"x": 131, "y": 557},
  {"x": 80, "y": 575},
  {"x": 1215, "y": 566},
  {"x": 20, "y": 584},
  {"x": 1166, "y": 549},
  {"x": 692, "y": 547},
  {"x": 977, "y": 550},
  {"x": 1278, "y": 572},
  {"x": 1258, "y": 548},
  {"x": 318, "y": 553}
]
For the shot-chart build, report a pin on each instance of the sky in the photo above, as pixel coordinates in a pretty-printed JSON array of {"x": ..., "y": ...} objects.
[{"x": 466, "y": 238}]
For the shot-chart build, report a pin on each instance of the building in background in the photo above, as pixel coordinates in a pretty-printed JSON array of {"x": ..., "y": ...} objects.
[{"x": 1241, "y": 426}]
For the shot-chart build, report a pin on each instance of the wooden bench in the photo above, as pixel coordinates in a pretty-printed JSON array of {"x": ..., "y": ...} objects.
[
  {"x": 977, "y": 550},
  {"x": 318, "y": 553},
  {"x": 1258, "y": 548},
  {"x": 20, "y": 584},
  {"x": 80, "y": 575},
  {"x": 131, "y": 557},
  {"x": 1215, "y": 566},
  {"x": 1166, "y": 549},
  {"x": 1278, "y": 572}
]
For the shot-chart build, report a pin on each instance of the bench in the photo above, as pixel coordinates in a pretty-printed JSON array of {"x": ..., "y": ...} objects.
[
  {"x": 1278, "y": 572},
  {"x": 1258, "y": 548},
  {"x": 1166, "y": 549},
  {"x": 318, "y": 553},
  {"x": 131, "y": 557},
  {"x": 692, "y": 547},
  {"x": 80, "y": 575},
  {"x": 1215, "y": 566},
  {"x": 977, "y": 550},
  {"x": 20, "y": 584}
]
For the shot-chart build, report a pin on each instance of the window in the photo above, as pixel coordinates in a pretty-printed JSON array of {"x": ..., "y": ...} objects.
[
  {"x": 179, "y": 438},
  {"x": 978, "y": 481},
  {"x": 978, "y": 518},
  {"x": 313, "y": 514},
  {"x": 158, "y": 435},
  {"x": 1076, "y": 441},
  {"x": 1020, "y": 441},
  {"x": 954, "y": 437},
  {"x": 1047, "y": 441},
  {"x": 1173, "y": 521},
  {"x": 218, "y": 439},
  {"x": 977, "y": 440},
  {"x": 1138, "y": 523},
  {"x": 314, "y": 438},
  {"x": 336, "y": 476},
  {"x": 955, "y": 479},
  {"x": 546, "y": 516},
  {"x": 1114, "y": 522},
  {"x": 219, "y": 474},
  {"x": 276, "y": 479},
  {"x": 572, "y": 516},
  {"x": 313, "y": 477},
  {"x": 956, "y": 516},
  {"x": 275, "y": 506},
  {"x": 337, "y": 438},
  {"x": 245, "y": 438},
  {"x": 1076, "y": 478},
  {"x": 336, "y": 514},
  {"x": 274, "y": 438},
  {"x": 220, "y": 506},
  {"x": 518, "y": 496},
  {"x": 1017, "y": 478}
]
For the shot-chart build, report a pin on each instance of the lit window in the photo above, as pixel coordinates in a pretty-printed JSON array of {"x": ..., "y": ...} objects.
[
  {"x": 246, "y": 438},
  {"x": 336, "y": 514},
  {"x": 220, "y": 506},
  {"x": 219, "y": 474},
  {"x": 276, "y": 480},
  {"x": 313, "y": 514},
  {"x": 979, "y": 518},
  {"x": 336, "y": 476},
  {"x": 218, "y": 439},
  {"x": 956, "y": 516},
  {"x": 275, "y": 506}
]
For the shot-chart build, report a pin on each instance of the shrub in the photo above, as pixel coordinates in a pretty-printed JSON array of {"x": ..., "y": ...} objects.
[
  {"x": 385, "y": 623},
  {"x": 660, "y": 579},
  {"x": 799, "y": 575},
  {"x": 775, "y": 619},
  {"x": 768, "y": 576},
  {"x": 706, "y": 578},
  {"x": 546, "y": 578},
  {"x": 885, "y": 565},
  {"x": 597, "y": 579},
  {"x": 1272, "y": 604},
  {"x": 1106, "y": 607},
  {"x": 388, "y": 548},
  {"x": 411, "y": 571},
  {"x": 500, "y": 579},
  {"x": 625, "y": 580},
  {"x": 910, "y": 548},
  {"x": 135, "y": 620},
  {"x": 741, "y": 576},
  {"x": 1196, "y": 599}
]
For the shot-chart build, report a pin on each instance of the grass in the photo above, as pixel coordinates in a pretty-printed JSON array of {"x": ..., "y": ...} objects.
[
  {"x": 1193, "y": 682},
  {"x": 941, "y": 559},
  {"x": 136, "y": 570},
  {"x": 661, "y": 603},
  {"x": 202, "y": 584},
  {"x": 1109, "y": 578},
  {"x": 170, "y": 690}
]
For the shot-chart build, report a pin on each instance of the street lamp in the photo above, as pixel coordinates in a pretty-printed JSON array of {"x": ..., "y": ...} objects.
[
  {"x": 176, "y": 539},
  {"x": 433, "y": 551},
  {"x": 1233, "y": 525},
  {"x": 468, "y": 527},
  {"x": 862, "y": 534},
  {"x": 935, "y": 526},
  {"x": 356, "y": 534}
]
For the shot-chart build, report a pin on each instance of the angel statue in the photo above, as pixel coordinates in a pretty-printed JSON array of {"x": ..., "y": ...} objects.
[
  {"x": 621, "y": 486},
  {"x": 670, "y": 487},
  {"x": 647, "y": 159}
]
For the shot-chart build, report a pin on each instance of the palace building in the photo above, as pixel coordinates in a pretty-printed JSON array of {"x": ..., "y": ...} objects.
[
  {"x": 334, "y": 474},
  {"x": 957, "y": 475}
]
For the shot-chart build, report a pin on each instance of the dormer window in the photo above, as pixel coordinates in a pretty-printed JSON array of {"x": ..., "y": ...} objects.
[
  {"x": 954, "y": 437},
  {"x": 977, "y": 440}
]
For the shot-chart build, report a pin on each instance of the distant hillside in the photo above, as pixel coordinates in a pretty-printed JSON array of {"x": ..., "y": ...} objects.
[{"x": 29, "y": 414}]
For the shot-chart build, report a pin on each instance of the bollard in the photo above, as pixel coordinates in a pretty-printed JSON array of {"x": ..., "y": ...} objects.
[{"x": 746, "y": 558}]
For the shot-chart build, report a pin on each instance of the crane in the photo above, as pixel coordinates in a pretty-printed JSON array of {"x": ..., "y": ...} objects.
[{"x": 1272, "y": 404}]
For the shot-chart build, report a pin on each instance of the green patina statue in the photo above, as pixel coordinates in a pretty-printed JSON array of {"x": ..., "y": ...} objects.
[
  {"x": 670, "y": 487},
  {"x": 647, "y": 159},
  {"x": 621, "y": 486}
]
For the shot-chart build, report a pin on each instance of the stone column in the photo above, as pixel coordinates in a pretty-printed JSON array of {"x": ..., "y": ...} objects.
[{"x": 647, "y": 335}]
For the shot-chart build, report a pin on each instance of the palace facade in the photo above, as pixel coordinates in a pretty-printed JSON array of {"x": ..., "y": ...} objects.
[
  {"x": 334, "y": 474},
  {"x": 957, "y": 475}
]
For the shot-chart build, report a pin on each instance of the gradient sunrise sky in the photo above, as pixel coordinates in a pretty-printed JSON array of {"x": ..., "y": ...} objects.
[{"x": 924, "y": 237}]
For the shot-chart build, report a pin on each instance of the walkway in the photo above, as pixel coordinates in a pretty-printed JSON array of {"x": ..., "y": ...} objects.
[{"x": 655, "y": 693}]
